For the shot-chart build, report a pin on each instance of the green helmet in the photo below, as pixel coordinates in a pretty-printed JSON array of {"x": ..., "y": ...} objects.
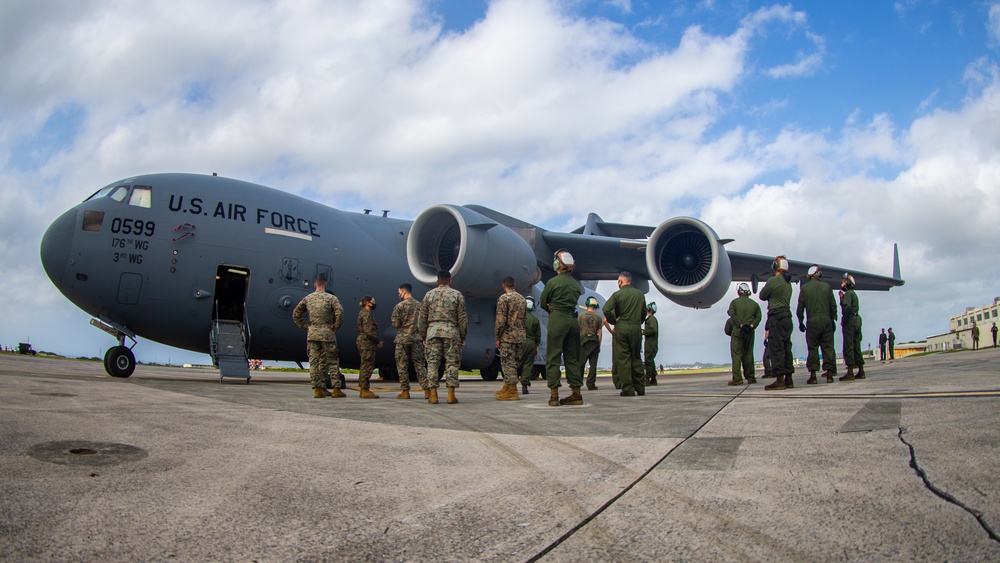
[
  {"x": 651, "y": 307},
  {"x": 592, "y": 302},
  {"x": 530, "y": 302}
]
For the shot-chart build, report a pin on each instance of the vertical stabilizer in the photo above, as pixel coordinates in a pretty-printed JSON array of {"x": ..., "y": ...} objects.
[{"x": 895, "y": 262}]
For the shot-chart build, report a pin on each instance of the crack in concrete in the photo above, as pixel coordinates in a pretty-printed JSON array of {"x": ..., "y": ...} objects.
[{"x": 943, "y": 494}]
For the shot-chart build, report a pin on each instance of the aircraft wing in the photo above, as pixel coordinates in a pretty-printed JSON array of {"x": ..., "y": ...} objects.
[
  {"x": 682, "y": 257},
  {"x": 755, "y": 268}
]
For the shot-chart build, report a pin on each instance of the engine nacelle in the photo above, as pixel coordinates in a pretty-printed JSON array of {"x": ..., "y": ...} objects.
[
  {"x": 478, "y": 251},
  {"x": 687, "y": 263}
]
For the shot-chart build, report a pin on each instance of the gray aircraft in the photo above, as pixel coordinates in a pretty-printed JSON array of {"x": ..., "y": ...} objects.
[{"x": 217, "y": 265}]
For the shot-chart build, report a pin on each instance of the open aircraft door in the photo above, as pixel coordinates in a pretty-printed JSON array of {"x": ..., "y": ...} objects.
[{"x": 230, "y": 330}]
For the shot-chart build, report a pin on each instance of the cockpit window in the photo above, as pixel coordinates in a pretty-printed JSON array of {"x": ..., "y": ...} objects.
[
  {"x": 119, "y": 193},
  {"x": 142, "y": 196},
  {"x": 103, "y": 192}
]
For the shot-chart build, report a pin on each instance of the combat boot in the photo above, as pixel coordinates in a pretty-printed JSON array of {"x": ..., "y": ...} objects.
[
  {"x": 451, "y": 396},
  {"x": 574, "y": 399},
  {"x": 849, "y": 376},
  {"x": 337, "y": 393},
  {"x": 432, "y": 396},
  {"x": 652, "y": 381},
  {"x": 554, "y": 397},
  {"x": 788, "y": 382},
  {"x": 427, "y": 393},
  {"x": 524, "y": 388},
  {"x": 502, "y": 391},
  {"x": 751, "y": 380},
  {"x": 861, "y": 373},
  {"x": 731, "y": 382},
  {"x": 404, "y": 394},
  {"x": 367, "y": 394},
  {"x": 319, "y": 393},
  {"x": 830, "y": 374},
  {"x": 812, "y": 379},
  {"x": 511, "y": 394},
  {"x": 778, "y": 385}
]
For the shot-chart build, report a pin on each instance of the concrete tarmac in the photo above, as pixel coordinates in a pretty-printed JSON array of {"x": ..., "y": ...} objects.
[{"x": 169, "y": 464}]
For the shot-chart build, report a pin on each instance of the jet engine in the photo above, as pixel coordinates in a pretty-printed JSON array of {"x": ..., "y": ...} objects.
[
  {"x": 687, "y": 263},
  {"x": 478, "y": 251}
]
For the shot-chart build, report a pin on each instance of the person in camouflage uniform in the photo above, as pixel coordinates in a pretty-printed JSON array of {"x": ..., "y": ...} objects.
[
  {"x": 325, "y": 317},
  {"x": 443, "y": 325},
  {"x": 850, "y": 323},
  {"x": 817, "y": 313},
  {"x": 744, "y": 317},
  {"x": 625, "y": 309},
  {"x": 591, "y": 334},
  {"x": 409, "y": 346},
  {"x": 529, "y": 349},
  {"x": 509, "y": 333},
  {"x": 650, "y": 343},
  {"x": 368, "y": 341},
  {"x": 778, "y": 294},
  {"x": 562, "y": 343}
]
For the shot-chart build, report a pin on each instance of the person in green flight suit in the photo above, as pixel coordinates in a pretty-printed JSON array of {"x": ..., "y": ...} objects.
[
  {"x": 532, "y": 338},
  {"x": 591, "y": 334},
  {"x": 744, "y": 316},
  {"x": 778, "y": 294},
  {"x": 625, "y": 309},
  {"x": 850, "y": 323},
  {"x": 562, "y": 343},
  {"x": 817, "y": 313},
  {"x": 650, "y": 343}
]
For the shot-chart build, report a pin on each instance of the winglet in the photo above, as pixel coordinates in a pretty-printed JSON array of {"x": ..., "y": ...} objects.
[{"x": 895, "y": 262}]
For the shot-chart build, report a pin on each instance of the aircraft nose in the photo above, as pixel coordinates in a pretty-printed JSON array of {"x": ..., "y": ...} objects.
[{"x": 56, "y": 244}]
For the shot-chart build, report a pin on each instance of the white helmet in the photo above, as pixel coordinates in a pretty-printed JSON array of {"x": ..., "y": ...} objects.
[
  {"x": 743, "y": 289},
  {"x": 848, "y": 280},
  {"x": 562, "y": 257},
  {"x": 815, "y": 271},
  {"x": 530, "y": 302},
  {"x": 780, "y": 263}
]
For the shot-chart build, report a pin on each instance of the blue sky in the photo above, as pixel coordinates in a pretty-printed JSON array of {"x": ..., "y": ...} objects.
[{"x": 824, "y": 130}]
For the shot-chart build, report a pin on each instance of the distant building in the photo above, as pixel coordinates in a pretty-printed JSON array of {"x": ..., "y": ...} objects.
[{"x": 959, "y": 333}]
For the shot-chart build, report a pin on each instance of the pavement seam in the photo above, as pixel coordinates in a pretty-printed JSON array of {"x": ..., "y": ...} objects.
[
  {"x": 600, "y": 510},
  {"x": 943, "y": 494}
]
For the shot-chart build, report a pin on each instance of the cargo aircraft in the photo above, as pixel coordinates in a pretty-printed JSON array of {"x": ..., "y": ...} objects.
[{"x": 217, "y": 265}]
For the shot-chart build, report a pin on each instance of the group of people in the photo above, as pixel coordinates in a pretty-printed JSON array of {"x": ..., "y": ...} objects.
[
  {"x": 817, "y": 318},
  {"x": 975, "y": 335},
  {"x": 889, "y": 339},
  {"x": 433, "y": 332}
]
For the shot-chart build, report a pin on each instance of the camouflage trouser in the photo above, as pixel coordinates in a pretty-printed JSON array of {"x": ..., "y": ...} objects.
[
  {"x": 510, "y": 359},
  {"x": 323, "y": 360},
  {"x": 527, "y": 363},
  {"x": 450, "y": 351},
  {"x": 407, "y": 352},
  {"x": 367, "y": 366}
]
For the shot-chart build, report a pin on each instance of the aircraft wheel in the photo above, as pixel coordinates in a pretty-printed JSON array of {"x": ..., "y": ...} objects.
[
  {"x": 119, "y": 361},
  {"x": 490, "y": 372}
]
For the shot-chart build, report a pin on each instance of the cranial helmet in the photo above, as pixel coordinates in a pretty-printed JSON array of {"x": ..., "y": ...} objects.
[
  {"x": 530, "y": 302},
  {"x": 848, "y": 280},
  {"x": 743, "y": 289},
  {"x": 651, "y": 307},
  {"x": 780, "y": 263},
  {"x": 562, "y": 257},
  {"x": 815, "y": 271},
  {"x": 592, "y": 302}
]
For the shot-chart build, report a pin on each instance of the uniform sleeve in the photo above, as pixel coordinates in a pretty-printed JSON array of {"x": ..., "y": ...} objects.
[
  {"x": 422, "y": 320},
  {"x": 833, "y": 305},
  {"x": 297, "y": 315},
  {"x": 756, "y": 314},
  {"x": 396, "y": 319},
  {"x": 338, "y": 314},
  {"x": 609, "y": 308},
  {"x": 546, "y": 296},
  {"x": 800, "y": 311},
  {"x": 501, "y": 322},
  {"x": 538, "y": 332},
  {"x": 463, "y": 321}
]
